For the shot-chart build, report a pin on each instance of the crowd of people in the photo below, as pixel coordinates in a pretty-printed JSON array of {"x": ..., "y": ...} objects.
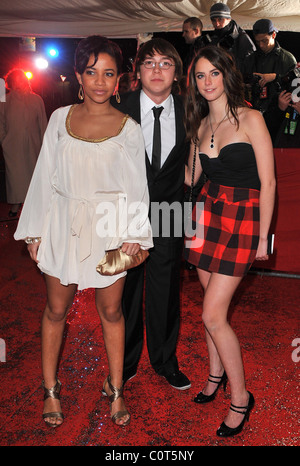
[
  {"x": 146, "y": 144},
  {"x": 269, "y": 72}
]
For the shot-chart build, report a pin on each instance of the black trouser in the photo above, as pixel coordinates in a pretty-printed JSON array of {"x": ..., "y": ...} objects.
[{"x": 162, "y": 307}]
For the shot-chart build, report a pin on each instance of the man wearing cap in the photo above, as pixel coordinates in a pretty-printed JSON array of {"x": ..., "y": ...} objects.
[
  {"x": 228, "y": 34},
  {"x": 264, "y": 69}
]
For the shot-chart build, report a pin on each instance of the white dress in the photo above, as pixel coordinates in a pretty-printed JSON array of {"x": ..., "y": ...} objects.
[{"x": 85, "y": 197}]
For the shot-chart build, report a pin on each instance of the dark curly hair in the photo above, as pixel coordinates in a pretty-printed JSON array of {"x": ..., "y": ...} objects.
[
  {"x": 93, "y": 45},
  {"x": 196, "y": 106}
]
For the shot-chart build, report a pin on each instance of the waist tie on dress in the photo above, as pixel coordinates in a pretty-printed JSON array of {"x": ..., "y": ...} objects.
[{"x": 81, "y": 225}]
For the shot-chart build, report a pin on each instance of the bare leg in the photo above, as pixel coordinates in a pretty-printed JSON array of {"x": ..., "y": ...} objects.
[
  {"x": 215, "y": 364},
  {"x": 108, "y": 303},
  {"x": 60, "y": 299},
  {"x": 223, "y": 345}
]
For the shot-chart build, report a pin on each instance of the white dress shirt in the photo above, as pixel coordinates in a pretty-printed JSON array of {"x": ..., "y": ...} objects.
[{"x": 168, "y": 127}]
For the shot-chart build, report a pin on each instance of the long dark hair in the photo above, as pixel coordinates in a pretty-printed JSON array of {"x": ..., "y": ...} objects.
[
  {"x": 196, "y": 106},
  {"x": 93, "y": 45}
]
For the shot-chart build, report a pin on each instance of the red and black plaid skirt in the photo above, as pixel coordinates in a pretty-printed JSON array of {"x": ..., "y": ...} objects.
[{"x": 225, "y": 230}]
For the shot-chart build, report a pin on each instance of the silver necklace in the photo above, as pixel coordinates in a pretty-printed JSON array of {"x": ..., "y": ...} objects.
[{"x": 214, "y": 132}]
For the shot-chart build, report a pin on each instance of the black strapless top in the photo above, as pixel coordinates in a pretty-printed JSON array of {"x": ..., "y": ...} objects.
[{"x": 235, "y": 166}]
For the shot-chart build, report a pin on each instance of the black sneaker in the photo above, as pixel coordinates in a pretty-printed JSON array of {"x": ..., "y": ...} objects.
[{"x": 177, "y": 380}]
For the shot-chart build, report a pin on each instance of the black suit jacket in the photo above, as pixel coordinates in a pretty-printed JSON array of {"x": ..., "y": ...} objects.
[
  {"x": 163, "y": 267},
  {"x": 168, "y": 184}
]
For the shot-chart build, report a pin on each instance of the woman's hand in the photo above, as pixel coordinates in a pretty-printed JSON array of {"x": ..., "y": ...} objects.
[
  {"x": 131, "y": 249},
  {"x": 261, "y": 253},
  {"x": 33, "y": 250}
]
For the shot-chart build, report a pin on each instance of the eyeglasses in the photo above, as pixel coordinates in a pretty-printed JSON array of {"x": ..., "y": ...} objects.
[{"x": 163, "y": 65}]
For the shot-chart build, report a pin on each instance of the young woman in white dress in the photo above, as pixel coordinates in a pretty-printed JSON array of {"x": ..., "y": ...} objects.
[{"x": 92, "y": 154}]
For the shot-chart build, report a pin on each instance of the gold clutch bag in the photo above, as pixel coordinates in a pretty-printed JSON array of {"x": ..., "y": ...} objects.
[{"x": 116, "y": 261}]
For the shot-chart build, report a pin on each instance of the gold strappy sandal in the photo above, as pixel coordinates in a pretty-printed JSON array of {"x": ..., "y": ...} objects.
[
  {"x": 116, "y": 393},
  {"x": 53, "y": 393}
]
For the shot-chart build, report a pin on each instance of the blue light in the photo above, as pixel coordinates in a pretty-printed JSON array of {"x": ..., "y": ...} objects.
[{"x": 53, "y": 52}]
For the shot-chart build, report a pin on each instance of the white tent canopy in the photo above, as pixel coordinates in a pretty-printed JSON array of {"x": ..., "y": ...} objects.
[{"x": 125, "y": 18}]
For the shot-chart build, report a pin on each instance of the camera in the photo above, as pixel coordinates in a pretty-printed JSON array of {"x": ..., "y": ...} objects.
[
  {"x": 252, "y": 88},
  {"x": 286, "y": 82},
  {"x": 251, "y": 79}
]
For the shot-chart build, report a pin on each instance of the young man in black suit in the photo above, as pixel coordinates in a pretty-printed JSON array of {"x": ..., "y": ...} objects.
[{"x": 157, "y": 66}]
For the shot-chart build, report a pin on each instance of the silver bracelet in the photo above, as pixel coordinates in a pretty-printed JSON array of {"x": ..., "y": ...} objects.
[{"x": 32, "y": 240}]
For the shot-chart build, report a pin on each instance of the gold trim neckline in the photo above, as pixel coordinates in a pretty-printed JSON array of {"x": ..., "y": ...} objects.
[{"x": 70, "y": 132}]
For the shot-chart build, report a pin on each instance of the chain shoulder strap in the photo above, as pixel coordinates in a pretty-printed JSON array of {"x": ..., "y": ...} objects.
[{"x": 193, "y": 174}]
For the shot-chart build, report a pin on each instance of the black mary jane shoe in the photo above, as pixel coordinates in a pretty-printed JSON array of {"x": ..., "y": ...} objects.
[
  {"x": 202, "y": 398},
  {"x": 225, "y": 431}
]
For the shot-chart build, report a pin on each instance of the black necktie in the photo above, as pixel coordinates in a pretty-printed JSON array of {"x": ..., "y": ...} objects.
[{"x": 156, "y": 147}]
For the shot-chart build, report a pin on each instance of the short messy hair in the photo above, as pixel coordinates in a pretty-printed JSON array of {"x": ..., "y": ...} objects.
[
  {"x": 93, "y": 45},
  {"x": 161, "y": 46}
]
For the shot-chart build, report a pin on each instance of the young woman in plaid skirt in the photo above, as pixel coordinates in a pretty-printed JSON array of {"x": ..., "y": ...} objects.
[{"x": 232, "y": 215}]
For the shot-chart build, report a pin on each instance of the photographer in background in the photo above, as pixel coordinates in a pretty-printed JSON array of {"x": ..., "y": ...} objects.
[
  {"x": 288, "y": 134},
  {"x": 192, "y": 34},
  {"x": 228, "y": 35},
  {"x": 264, "y": 71}
]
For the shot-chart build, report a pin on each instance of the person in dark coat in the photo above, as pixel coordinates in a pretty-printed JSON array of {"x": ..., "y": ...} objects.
[
  {"x": 229, "y": 35},
  {"x": 264, "y": 72},
  {"x": 157, "y": 66},
  {"x": 192, "y": 34}
]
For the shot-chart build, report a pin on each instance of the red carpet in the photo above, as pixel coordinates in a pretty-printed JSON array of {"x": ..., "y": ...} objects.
[{"x": 264, "y": 314}]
